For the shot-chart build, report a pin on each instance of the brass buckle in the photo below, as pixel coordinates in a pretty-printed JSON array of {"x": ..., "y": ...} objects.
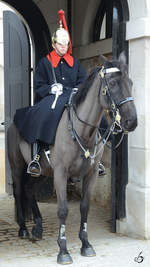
[
  {"x": 101, "y": 73},
  {"x": 104, "y": 90},
  {"x": 117, "y": 117},
  {"x": 37, "y": 157}
]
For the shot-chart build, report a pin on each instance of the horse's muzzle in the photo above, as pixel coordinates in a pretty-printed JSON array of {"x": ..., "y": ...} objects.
[{"x": 129, "y": 124}]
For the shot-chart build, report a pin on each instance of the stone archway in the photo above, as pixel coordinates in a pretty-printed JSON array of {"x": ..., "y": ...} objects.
[{"x": 39, "y": 30}]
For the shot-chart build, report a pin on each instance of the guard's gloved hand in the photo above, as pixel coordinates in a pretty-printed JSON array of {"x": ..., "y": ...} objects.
[{"x": 56, "y": 88}]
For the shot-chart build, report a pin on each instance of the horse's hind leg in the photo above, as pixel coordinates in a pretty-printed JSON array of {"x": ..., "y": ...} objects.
[
  {"x": 19, "y": 200},
  {"x": 17, "y": 165},
  {"x": 37, "y": 229},
  {"x": 60, "y": 181},
  {"x": 88, "y": 183}
]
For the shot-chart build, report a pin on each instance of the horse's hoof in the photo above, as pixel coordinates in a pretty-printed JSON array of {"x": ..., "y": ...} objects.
[
  {"x": 64, "y": 258},
  {"x": 34, "y": 238},
  {"x": 88, "y": 252},
  {"x": 36, "y": 234},
  {"x": 24, "y": 234}
]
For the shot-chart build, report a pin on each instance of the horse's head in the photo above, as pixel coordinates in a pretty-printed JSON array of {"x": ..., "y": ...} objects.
[{"x": 116, "y": 92}]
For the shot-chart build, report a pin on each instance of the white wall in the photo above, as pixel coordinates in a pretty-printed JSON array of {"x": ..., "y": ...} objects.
[{"x": 137, "y": 222}]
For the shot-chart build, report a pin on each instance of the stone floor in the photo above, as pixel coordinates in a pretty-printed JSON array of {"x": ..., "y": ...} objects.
[{"x": 111, "y": 249}]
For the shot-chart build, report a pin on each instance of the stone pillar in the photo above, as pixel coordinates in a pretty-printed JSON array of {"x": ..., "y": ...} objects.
[{"x": 137, "y": 222}]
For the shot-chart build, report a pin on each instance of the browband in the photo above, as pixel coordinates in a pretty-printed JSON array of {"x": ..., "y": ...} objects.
[
  {"x": 111, "y": 70},
  {"x": 103, "y": 71}
]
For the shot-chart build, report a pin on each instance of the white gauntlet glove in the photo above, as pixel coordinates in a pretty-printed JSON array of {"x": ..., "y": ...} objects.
[
  {"x": 57, "y": 90},
  {"x": 56, "y": 87}
]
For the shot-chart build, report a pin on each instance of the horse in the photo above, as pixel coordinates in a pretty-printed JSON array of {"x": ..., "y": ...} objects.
[{"x": 76, "y": 152}]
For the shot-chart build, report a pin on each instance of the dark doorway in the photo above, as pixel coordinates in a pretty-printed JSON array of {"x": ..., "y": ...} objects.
[
  {"x": 110, "y": 22},
  {"x": 17, "y": 78}
]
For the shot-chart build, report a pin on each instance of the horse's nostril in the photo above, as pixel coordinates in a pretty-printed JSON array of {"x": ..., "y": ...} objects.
[{"x": 130, "y": 124}]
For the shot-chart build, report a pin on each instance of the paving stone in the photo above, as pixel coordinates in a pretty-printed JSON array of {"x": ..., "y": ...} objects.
[{"x": 112, "y": 249}]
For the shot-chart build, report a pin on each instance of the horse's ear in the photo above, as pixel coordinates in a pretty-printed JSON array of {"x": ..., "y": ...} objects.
[
  {"x": 122, "y": 57},
  {"x": 103, "y": 59}
]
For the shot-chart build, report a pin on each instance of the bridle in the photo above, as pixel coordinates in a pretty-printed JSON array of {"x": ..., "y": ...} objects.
[
  {"x": 116, "y": 118},
  {"x": 106, "y": 91}
]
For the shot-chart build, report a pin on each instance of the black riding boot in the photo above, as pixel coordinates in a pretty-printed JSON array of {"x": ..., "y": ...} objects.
[{"x": 34, "y": 167}]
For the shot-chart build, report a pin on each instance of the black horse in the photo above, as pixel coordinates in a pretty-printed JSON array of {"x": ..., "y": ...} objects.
[{"x": 76, "y": 151}]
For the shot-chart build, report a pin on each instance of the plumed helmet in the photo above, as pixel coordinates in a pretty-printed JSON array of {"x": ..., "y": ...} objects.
[{"x": 62, "y": 34}]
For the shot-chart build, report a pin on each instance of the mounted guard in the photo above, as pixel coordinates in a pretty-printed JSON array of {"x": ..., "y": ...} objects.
[{"x": 55, "y": 77}]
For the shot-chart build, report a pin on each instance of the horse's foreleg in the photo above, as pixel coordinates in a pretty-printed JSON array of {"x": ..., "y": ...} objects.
[
  {"x": 86, "y": 249},
  {"x": 60, "y": 185}
]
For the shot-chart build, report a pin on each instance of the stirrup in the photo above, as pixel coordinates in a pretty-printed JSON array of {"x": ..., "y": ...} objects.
[
  {"x": 101, "y": 170},
  {"x": 34, "y": 161},
  {"x": 37, "y": 174}
]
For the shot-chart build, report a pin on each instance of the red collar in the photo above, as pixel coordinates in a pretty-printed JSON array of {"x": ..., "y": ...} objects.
[{"x": 56, "y": 59}]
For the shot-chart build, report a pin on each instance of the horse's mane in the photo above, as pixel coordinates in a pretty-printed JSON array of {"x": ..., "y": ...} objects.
[{"x": 85, "y": 86}]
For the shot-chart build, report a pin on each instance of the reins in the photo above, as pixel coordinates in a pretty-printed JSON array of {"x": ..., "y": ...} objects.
[{"x": 115, "y": 119}]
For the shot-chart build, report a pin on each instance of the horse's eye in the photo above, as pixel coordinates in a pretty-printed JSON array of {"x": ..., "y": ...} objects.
[{"x": 112, "y": 83}]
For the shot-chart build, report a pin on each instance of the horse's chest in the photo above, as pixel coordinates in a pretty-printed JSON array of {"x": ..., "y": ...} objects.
[{"x": 77, "y": 166}]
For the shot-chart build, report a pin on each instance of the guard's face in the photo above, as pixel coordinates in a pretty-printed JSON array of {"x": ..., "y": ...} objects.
[{"x": 61, "y": 49}]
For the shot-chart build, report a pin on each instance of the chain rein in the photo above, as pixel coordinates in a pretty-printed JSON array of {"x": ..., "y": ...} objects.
[{"x": 76, "y": 137}]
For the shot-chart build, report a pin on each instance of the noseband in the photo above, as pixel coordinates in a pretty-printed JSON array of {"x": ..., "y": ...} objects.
[{"x": 127, "y": 99}]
